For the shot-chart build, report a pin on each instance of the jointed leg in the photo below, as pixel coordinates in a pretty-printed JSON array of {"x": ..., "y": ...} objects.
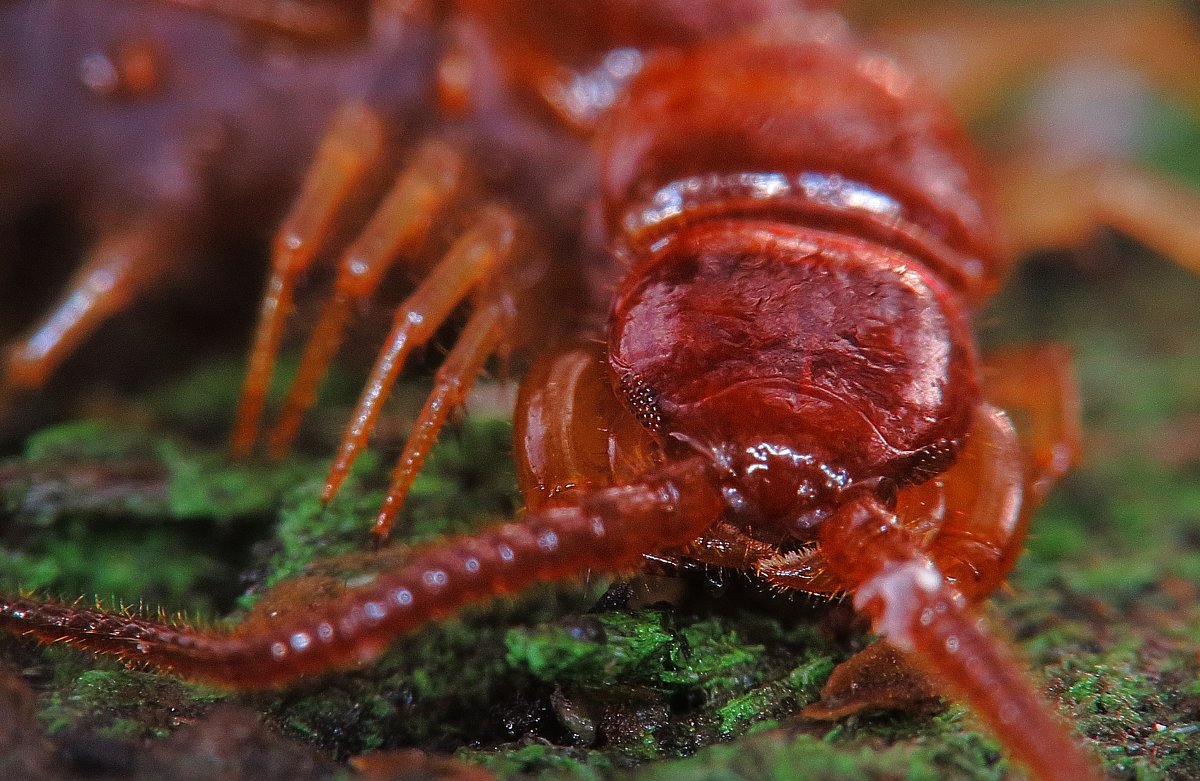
[
  {"x": 473, "y": 259},
  {"x": 352, "y": 146},
  {"x": 122, "y": 266},
  {"x": 571, "y": 430},
  {"x": 399, "y": 226},
  {"x": 484, "y": 332},
  {"x": 1048, "y": 205},
  {"x": 982, "y": 510},
  {"x": 1037, "y": 387},
  {"x": 725, "y": 545},
  {"x": 318, "y": 21}
]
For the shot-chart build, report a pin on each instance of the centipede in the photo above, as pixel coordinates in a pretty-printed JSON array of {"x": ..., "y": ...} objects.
[{"x": 735, "y": 250}]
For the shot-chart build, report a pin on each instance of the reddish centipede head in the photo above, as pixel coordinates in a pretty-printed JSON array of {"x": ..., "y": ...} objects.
[{"x": 801, "y": 362}]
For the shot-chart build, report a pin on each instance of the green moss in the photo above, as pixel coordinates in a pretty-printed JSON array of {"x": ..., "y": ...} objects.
[
  {"x": 684, "y": 680},
  {"x": 1172, "y": 138},
  {"x": 527, "y": 681},
  {"x": 428, "y": 688},
  {"x": 120, "y": 703},
  {"x": 130, "y": 514},
  {"x": 122, "y": 566},
  {"x": 144, "y": 473},
  {"x": 1134, "y": 712},
  {"x": 714, "y": 658},
  {"x": 207, "y": 395},
  {"x": 799, "y": 687},
  {"x": 642, "y": 647},
  {"x": 958, "y": 752},
  {"x": 207, "y": 484},
  {"x": 459, "y": 489},
  {"x": 84, "y": 440},
  {"x": 776, "y": 756},
  {"x": 538, "y": 760}
]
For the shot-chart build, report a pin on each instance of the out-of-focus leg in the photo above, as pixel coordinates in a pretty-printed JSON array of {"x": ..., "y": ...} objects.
[
  {"x": 1048, "y": 205},
  {"x": 977, "y": 55},
  {"x": 314, "y": 20},
  {"x": 1053, "y": 190},
  {"x": 124, "y": 264},
  {"x": 349, "y": 149},
  {"x": 1036, "y": 386}
]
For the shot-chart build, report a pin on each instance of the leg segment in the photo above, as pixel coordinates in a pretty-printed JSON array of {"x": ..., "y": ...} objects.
[
  {"x": 978, "y": 508},
  {"x": 352, "y": 146},
  {"x": 483, "y": 334},
  {"x": 317, "y": 21},
  {"x": 1060, "y": 205},
  {"x": 473, "y": 259},
  {"x": 1037, "y": 387},
  {"x": 918, "y": 612},
  {"x": 976, "y": 55},
  {"x": 122, "y": 266},
  {"x": 803, "y": 570},
  {"x": 571, "y": 431},
  {"x": 725, "y": 545},
  {"x": 606, "y": 529},
  {"x": 399, "y": 226}
]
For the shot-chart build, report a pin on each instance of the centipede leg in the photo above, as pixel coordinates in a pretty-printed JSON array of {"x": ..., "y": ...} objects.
[
  {"x": 918, "y": 612},
  {"x": 343, "y": 158},
  {"x": 483, "y": 333},
  {"x": 976, "y": 55},
  {"x": 397, "y": 228},
  {"x": 607, "y": 529},
  {"x": 1060, "y": 205},
  {"x": 1037, "y": 387},
  {"x": 472, "y": 260},
  {"x": 317, "y": 21},
  {"x": 123, "y": 265}
]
